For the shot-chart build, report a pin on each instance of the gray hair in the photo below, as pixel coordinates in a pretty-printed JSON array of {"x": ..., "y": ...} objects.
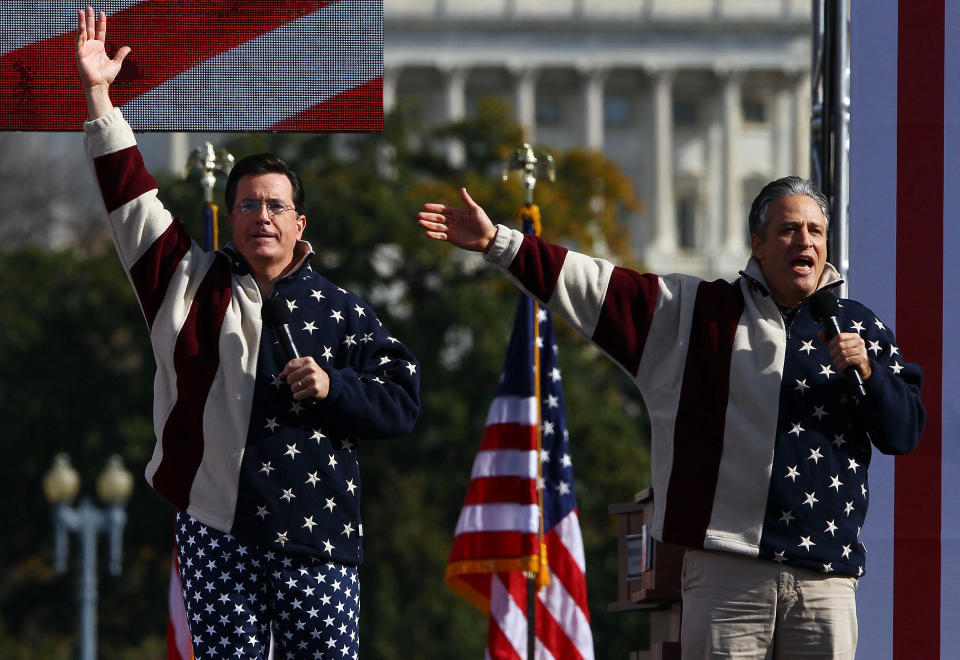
[{"x": 785, "y": 187}]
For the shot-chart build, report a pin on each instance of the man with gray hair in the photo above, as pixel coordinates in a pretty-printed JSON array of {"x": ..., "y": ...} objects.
[{"x": 760, "y": 446}]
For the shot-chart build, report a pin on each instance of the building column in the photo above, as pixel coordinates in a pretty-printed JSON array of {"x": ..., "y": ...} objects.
[
  {"x": 801, "y": 130},
  {"x": 390, "y": 76},
  {"x": 593, "y": 82},
  {"x": 735, "y": 222},
  {"x": 783, "y": 129},
  {"x": 665, "y": 239},
  {"x": 525, "y": 100},
  {"x": 455, "y": 102}
]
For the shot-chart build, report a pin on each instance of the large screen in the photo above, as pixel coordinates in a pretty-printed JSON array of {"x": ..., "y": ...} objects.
[{"x": 201, "y": 65}]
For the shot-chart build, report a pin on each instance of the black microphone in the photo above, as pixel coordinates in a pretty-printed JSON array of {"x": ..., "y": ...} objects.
[
  {"x": 824, "y": 309},
  {"x": 276, "y": 314}
]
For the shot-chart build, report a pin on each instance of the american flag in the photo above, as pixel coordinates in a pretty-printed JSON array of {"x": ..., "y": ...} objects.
[
  {"x": 202, "y": 65},
  {"x": 904, "y": 233},
  {"x": 497, "y": 539}
]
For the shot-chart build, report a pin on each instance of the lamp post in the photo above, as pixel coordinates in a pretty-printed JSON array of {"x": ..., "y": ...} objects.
[{"x": 114, "y": 486}]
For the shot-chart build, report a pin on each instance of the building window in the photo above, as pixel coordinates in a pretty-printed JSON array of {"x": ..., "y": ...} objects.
[
  {"x": 686, "y": 222},
  {"x": 616, "y": 110},
  {"x": 754, "y": 109},
  {"x": 685, "y": 111},
  {"x": 549, "y": 110}
]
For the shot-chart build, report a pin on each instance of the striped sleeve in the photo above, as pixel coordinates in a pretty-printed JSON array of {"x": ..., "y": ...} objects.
[{"x": 610, "y": 305}]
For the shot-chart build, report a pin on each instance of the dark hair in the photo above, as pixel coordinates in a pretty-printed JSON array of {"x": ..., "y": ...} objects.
[
  {"x": 785, "y": 187},
  {"x": 262, "y": 164}
]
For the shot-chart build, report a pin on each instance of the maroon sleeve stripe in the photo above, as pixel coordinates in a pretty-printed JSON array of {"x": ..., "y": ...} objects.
[
  {"x": 151, "y": 273},
  {"x": 701, "y": 414},
  {"x": 537, "y": 266},
  {"x": 493, "y": 490},
  {"x": 196, "y": 359},
  {"x": 625, "y": 316},
  {"x": 122, "y": 177},
  {"x": 509, "y": 436}
]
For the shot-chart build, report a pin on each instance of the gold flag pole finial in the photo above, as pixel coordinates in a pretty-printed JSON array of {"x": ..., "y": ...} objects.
[{"x": 208, "y": 161}]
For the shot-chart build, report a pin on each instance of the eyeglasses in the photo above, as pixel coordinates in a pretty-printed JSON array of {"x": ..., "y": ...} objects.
[{"x": 253, "y": 208}]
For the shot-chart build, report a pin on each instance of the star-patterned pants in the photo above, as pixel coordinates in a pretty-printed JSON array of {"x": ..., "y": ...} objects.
[{"x": 236, "y": 594}]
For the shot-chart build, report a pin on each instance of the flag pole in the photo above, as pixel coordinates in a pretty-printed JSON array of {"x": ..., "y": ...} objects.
[
  {"x": 527, "y": 161},
  {"x": 208, "y": 162}
]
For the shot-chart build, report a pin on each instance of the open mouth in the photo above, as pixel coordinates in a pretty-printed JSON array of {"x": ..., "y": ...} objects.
[{"x": 802, "y": 265}]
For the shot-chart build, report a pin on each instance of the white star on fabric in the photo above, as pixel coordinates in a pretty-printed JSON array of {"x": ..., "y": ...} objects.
[
  {"x": 566, "y": 461},
  {"x": 555, "y": 375},
  {"x": 863, "y": 490},
  {"x": 392, "y": 340},
  {"x": 330, "y": 504},
  {"x": 359, "y": 310},
  {"x": 796, "y": 429},
  {"x": 875, "y": 347},
  {"x": 328, "y": 547},
  {"x": 831, "y": 528},
  {"x": 288, "y": 494},
  {"x": 807, "y": 347},
  {"x": 262, "y": 512},
  {"x": 335, "y": 314},
  {"x": 835, "y": 482},
  {"x": 292, "y": 451},
  {"x": 846, "y": 552},
  {"x": 312, "y": 479},
  {"x": 819, "y": 412},
  {"x": 877, "y": 323},
  {"x": 281, "y": 538},
  {"x": 309, "y": 327},
  {"x": 858, "y": 326},
  {"x": 547, "y": 428},
  {"x": 349, "y": 340},
  {"x": 271, "y": 424},
  {"x": 811, "y": 500},
  {"x": 786, "y": 516},
  {"x": 853, "y": 465},
  {"x": 839, "y": 440},
  {"x": 266, "y": 468},
  {"x": 275, "y": 381},
  {"x": 292, "y": 304},
  {"x": 317, "y": 435},
  {"x": 552, "y": 401},
  {"x": 801, "y": 385},
  {"x": 333, "y": 461},
  {"x": 563, "y": 488},
  {"x": 805, "y": 543},
  {"x": 848, "y": 508},
  {"x": 792, "y": 473},
  {"x": 296, "y": 407},
  {"x": 309, "y": 524},
  {"x": 894, "y": 350},
  {"x": 828, "y": 568},
  {"x": 351, "y": 486},
  {"x": 327, "y": 353},
  {"x": 384, "y": 359},
  {"x": 544, "y": 455},
  {"x": 412, "y": 367},
  {"x": 345, "y": 444},
  {"x": 316, "y": 294},
  {"x": 815, "y": 455},
  {"x": 826, "y": 370},
  {"x": 779, "y": 556},
  {"x": 897, "y": 368},
  {"x": 348, "y": 529}
]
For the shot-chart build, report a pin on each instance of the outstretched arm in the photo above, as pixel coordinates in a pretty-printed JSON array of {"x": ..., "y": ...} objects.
[
  {"x": 97, "y": 71},
  {"x": 468, "y": 228}
]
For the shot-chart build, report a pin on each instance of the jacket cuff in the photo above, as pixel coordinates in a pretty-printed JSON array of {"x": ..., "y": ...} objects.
[
  {"x": 505, "y": 246},
  {"x": 108, "y": 134}
]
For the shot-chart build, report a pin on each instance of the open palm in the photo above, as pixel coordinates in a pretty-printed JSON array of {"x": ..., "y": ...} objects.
[{"x": 95, "y": 67}]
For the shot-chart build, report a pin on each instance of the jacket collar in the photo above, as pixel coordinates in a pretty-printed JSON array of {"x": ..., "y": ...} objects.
[
  {"x": 302, "y": 253},
  {"x": 829, "y": 278}
]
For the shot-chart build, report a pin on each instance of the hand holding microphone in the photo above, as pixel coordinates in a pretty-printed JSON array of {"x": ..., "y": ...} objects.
[
  {"x": 849, "y": 353},
  {"x": 307, "y": 380}
]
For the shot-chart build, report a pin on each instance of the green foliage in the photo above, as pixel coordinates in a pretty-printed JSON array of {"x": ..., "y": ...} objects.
[{"x": 78, "y": 376}]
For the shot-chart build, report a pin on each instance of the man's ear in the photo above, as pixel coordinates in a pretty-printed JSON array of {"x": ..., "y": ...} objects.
[
  {"x": 301, "y": 224},
  {"x": 756, "y": 246}
]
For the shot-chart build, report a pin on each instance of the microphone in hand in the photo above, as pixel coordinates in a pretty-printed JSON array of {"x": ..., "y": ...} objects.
[{"x": 824, "y": 309}]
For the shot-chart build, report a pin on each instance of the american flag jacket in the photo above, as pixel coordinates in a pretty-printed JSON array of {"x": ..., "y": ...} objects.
[
  {"x": 234, "y": 450},
  {"x": 756, "y": 447}
]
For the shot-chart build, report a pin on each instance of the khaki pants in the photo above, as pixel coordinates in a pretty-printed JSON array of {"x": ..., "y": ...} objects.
[{"x": 740, "y": 607}]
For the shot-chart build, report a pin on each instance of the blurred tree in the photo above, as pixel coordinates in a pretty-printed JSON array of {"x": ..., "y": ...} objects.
[{"x": 78, "y": 375}]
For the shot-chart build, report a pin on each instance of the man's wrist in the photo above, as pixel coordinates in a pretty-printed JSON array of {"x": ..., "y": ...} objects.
[{"x": 98, "y": 101}]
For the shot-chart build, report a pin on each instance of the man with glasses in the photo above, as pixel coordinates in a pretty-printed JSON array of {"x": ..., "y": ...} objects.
[{"x": 257, "y": 451}]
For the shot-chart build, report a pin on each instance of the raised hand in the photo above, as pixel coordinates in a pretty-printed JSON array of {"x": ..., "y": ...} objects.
[
  {"x": 97, "y": 70},
  {"x": 468, "y": 228}
]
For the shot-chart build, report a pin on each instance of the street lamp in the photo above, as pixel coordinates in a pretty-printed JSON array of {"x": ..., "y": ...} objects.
[{"x": 114, "y": 486}]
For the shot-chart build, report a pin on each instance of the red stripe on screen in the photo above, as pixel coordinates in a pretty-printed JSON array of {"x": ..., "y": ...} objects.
[
  {"x": 195, "y": 37},
  {"x": 358, "y": 110},
  {"x": 917, "y": 503}
]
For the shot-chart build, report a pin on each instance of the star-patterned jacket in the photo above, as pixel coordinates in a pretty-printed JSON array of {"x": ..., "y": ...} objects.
[
  {"x": 234, "y": 450},
  {"x": 757, "y": 449}
]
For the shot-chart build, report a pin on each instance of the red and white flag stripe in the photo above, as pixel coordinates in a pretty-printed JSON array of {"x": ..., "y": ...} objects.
[{"x": 904, "y": 262}]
